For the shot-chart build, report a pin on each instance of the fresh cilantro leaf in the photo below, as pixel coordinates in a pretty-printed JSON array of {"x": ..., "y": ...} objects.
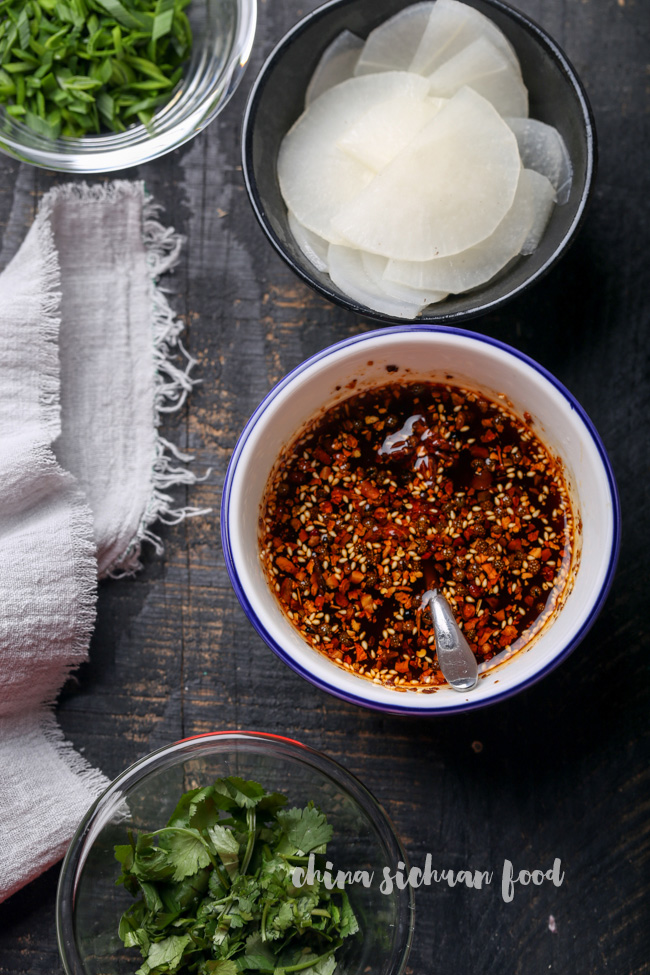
[
  {"x": 151, "y": 862},
  {"x": 186, "y": 849},
  {"x": 190, "y": 807},
  {"x": 245, "y": 890},
  {"x": 245, "y": 794},
  {"x": 275, "y": 875},
  {"x": 217, "y": 889},
  {"x": 235, "y": 920},
  {"x": 271, "y": 802},
  {"x": 280, "y": 917},
  {"x": 258, "y": 955},
  {"x": 165, "y": 955},
  {"x": 151, "y": 897},
  {"x": 181, "y": 896},
  {"x": 226, "y": 845},
  {"x": 223, "y": 967},
  {"x": 124, "y": 854},
  {"x": 349, "y": 923},
  {"x": 323, "y": 967},
  {"x": 304, "y": 907},
  {"x": 131, "y": 931},
  {"x": 205, "y": 811},
  {"x": 305, "y": 829}
]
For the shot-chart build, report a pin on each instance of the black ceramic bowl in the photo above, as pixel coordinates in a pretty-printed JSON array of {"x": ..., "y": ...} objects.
[{"x": 556, "y": 97}]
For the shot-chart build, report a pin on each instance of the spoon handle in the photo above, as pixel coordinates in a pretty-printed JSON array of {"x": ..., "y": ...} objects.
[{"x": 457, "y": 662}]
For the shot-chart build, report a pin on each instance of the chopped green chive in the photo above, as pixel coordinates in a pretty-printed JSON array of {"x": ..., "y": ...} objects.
[{"x": 74, "y": 67}]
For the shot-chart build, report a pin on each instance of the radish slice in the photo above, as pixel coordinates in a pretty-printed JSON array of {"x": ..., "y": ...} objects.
[
  {"x": 386, "y": 129},
  {"x": 375, "y": 266},
  {"x": 543, "y": 202},
  {"x": 391, "y": 46},
  {"x": 478, "y": 264},
  {"x": 543, "y": 149},
  {"x": 313, "y": 247},
  {"x": 348, "y": 274},
  {"x": 337, "y": 64},
  {"x": 453, "y": 26},
  {"x": 448, "y": 190},
  {"x": 316, "y": 178},
  {"x": 482, "y": 67}
]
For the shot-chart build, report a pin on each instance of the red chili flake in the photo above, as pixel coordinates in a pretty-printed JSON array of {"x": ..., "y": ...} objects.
[
  {"x": 286, "y": 591},
  {"x": 284, "y": 564},
  {"x": 369, "y": 490},
  {"x": 322, "y": 455}
]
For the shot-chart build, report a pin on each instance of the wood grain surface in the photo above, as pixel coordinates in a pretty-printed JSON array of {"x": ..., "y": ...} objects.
[{"x": 562, "y": 770}]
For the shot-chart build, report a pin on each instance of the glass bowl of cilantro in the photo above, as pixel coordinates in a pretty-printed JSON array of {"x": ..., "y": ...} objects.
[
  {"x": 234, "y": 852},
  {"x": 92, "y": 86}
]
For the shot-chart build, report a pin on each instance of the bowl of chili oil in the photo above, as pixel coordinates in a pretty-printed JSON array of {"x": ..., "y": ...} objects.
[{"x": 449, "y": 357}]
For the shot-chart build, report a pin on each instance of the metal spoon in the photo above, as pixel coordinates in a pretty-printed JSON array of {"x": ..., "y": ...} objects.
[{"x": 457, "y": 662}]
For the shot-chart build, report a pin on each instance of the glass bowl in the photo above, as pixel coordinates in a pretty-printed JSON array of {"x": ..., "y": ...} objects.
[
  {"x": 556, "y": 95},
  {"x": 89, "y": 904},
  {"x": 223, "y": 32}
]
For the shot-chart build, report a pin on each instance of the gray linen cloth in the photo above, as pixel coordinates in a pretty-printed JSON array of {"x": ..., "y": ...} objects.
[{"x": 86, "y": 366}]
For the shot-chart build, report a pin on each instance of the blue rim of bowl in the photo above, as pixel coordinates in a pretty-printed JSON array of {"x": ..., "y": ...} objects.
[
  {"x": 110, "y": 152},
  {"x": 331, "y": 688},
  {"x": 66, "y": 888},
  {"x": 250, "y": 113}
]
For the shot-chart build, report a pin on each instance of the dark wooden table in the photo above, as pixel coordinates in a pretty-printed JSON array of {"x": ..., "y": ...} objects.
[{"x": 563, "y": 769}]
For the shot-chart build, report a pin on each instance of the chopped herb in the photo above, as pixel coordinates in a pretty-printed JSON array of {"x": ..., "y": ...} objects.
[
  {"x": 215, "y": 892},
  {"x": 79, "y": 67}
]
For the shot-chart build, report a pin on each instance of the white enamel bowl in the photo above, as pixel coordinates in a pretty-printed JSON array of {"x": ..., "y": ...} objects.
[{"x": 435, "y": 354}]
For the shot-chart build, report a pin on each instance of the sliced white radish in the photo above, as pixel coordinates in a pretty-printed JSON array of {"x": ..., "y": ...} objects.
[
  {"x": 448, "y": 190},
  {"x": 375, "y": 266},
  {"x": 476, "y": 265},
  {"x": 453, "y": 26},
  {"x": 407, "y": 186},
  {"x": 483, "y": 67},
  {"x": 381, "y": 134},
  {"x": 543, "y": 202},
  {"x": 313, "y": 247},
  {"x": 543, "y": 149},
  {"x": 348, "y": 274},
  {"x": 316, "y": 178},
  {"x": 391, "y": 46},
  {"x": 337, "y": 64}
]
